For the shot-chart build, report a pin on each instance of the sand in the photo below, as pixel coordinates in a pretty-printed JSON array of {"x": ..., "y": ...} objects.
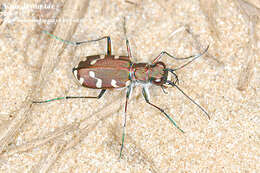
[{"x": 84, "y": 135}]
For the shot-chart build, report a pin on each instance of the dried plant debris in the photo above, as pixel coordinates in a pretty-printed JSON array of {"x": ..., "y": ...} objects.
[
  {"x": 40, "y": 141},
  {"x": 47, "y": 17},
  {"x": 49, "y": 159},
  {"x": 209, "y": 8},
  {"x": 9, "y": 133},
  {"x": 248, "y": 8},
  {"x": 251, "y": 15},
  {"x": 131, "y": 2},
  {"x": 49, "y": 63},
  {"x": 5, "y": 116},
  {"x": 1, "y": 14},
  {"x": 210, "y": 58}
]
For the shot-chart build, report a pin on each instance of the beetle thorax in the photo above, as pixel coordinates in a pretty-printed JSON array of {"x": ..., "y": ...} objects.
[{"x": 149, "y": 73}]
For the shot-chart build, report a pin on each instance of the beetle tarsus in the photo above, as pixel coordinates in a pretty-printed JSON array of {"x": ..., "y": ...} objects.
[
  {"x": 145, "y": 94},
  {"x": 73, "y": 97}
]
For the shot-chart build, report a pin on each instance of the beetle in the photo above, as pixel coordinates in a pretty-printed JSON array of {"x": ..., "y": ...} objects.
[{"x": 107, "y": 72}]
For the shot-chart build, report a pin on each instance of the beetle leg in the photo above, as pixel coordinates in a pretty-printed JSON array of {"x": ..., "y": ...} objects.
[
  {"x": 126, "y": 41},
  {"x": 128, "y": 49},
  {"x": 128, "y": 93},
  {"x": 186, "y": 95},
  {"x": 81, "y": 42},
  {"x": 189, "y": 57},
  {"x": 74, "y": 97},
  {"x": 145, "y": 93},
  {"x": 166, "y": 53}
]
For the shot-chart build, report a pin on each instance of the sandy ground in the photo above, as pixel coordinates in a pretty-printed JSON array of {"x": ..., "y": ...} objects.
[{"x": 84, "y": 135}]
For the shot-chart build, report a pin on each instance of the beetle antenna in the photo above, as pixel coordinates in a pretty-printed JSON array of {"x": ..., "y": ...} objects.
[
  {"x": 174, "y": 85},
  {"x": 76, "y": 42},
  {"x": 195, "y": 57}
]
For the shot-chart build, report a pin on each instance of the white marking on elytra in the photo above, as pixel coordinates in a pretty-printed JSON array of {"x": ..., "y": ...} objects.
[
  {"x": 116, "y": 57},
  {"x": 81, "y": 80},
  {"x": 91, "y": 74},
  {"x": 93, "y": 62},
  {"x": 99, "y": 81},
  {"x": 113, "y": 83}
]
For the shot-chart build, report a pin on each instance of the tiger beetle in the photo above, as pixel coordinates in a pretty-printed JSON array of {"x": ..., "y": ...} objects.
[{"x": 107, "y": 72}]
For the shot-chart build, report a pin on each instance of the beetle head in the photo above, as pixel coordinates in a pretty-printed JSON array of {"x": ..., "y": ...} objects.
[{"x": 158, "y": 74}]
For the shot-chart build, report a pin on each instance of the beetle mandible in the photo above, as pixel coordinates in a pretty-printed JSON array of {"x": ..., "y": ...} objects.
[{"x": 109, "y": 71}]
